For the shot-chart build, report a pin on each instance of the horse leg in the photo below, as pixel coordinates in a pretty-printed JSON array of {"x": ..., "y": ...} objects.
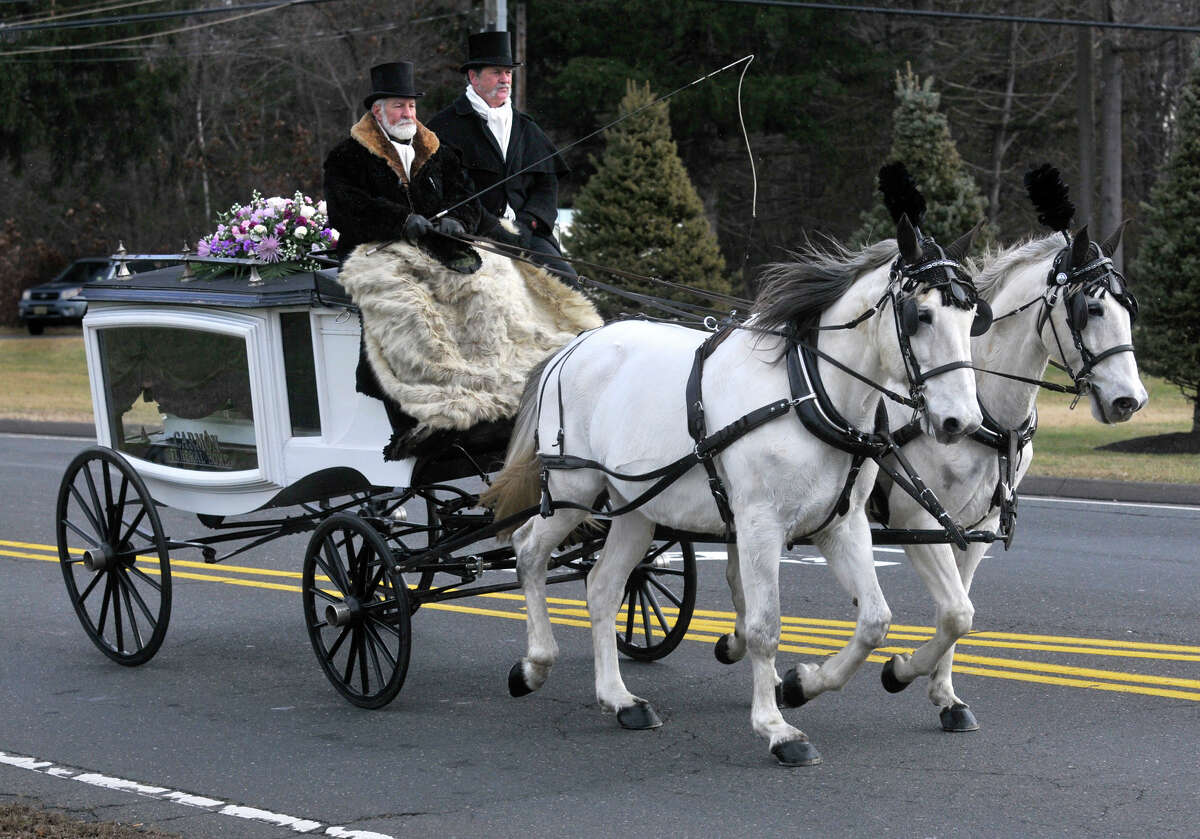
[
  {"x": 847, "y": 548},
  {"x": 936, "y": 566},
  {"x": 732, "y": 646},
  {"x": 624, "y": 548},
  {"x": 758, "y": 550},
  {"x": 955, "y": 715},
  {"x": 533, "y": 542}
]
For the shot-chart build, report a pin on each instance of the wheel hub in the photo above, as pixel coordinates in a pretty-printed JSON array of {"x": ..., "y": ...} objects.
[
  {"x": 347, "y": 612},
  {"x": 98, "y": 558}
]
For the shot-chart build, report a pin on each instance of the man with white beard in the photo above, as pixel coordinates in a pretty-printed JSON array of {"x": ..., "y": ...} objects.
[{"x": 392, "y": 174}]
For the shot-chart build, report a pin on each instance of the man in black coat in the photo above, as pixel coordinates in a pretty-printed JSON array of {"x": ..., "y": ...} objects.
[
  {"x": 383, "y": 183},
  {"x": 392, "y": 173},
  {"x": 497, "y": 141}
]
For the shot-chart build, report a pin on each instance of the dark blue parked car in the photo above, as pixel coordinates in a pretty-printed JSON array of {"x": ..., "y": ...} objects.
[{"x": 59, "y": 301}]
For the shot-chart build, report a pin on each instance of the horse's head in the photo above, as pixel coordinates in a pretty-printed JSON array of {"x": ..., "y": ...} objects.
[
  {"x": 1086, "y": 322},
  {"x": 936, "y": 311}
]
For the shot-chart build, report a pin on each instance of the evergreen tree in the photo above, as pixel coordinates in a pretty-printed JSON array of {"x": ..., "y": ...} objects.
[
  {"x": 640, "y": 213},
  {"x": 921, "y": 141},
  {"x": 1167, "y": 269}
]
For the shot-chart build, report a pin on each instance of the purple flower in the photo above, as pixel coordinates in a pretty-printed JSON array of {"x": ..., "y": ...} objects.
[
  {"x": 203, "y": 248},
  {"x": 268, "y": 249}
]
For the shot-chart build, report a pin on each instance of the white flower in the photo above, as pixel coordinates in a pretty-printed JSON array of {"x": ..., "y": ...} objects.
[
  {"x": 321, "y": 207},
  {"x": 308, "y": 211},
  {"x": 336, "y": 235},
  {"x": 300, "y": 232},
  {"x": 260, "y": 229}
]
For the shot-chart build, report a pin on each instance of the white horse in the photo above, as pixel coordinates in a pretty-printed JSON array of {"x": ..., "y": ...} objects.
[
  {"x": 1051, "y": 302},
  {"x": 615, "y": 398}
]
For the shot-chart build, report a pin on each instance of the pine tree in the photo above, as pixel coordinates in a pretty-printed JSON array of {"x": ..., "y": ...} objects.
[
  {"x": 640, "y": 212},
  {"x": 1167, "y": 269},
  {"x": 921, "y": 141}
]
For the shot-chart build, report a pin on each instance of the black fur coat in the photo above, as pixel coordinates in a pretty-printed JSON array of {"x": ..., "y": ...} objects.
[{"x": 369, "y": 197}]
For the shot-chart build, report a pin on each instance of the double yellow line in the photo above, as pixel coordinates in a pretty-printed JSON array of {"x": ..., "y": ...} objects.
[{"x": 807, "y": 636}]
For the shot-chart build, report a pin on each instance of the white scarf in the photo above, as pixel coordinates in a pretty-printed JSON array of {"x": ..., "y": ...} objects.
[{"x": 499, "y": 122}]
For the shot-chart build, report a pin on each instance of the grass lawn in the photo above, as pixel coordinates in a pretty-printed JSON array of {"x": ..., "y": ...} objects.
[{"x": 46, "y": 379}]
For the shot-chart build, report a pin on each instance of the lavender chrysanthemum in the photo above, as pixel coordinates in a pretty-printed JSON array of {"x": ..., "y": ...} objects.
[{"x": 268, "y": 249}]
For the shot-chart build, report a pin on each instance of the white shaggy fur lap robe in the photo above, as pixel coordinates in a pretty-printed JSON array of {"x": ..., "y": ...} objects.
[{"x": 454, "y": 349}]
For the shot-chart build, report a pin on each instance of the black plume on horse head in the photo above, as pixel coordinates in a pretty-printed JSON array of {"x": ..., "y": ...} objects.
[
  {"x": 1050, "y": 196},
  {"x": 900, "y": 193}
]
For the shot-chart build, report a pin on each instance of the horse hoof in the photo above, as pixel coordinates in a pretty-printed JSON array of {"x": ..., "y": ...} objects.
[
  {"x": 721, "y": 650},
  {"x": 888, "y": 676},
  {"x": 958, "y": 717},
  {"x": 796, "y": 753},
  {"x": 638, "y": 717},
  {"x": 791, "y": 693},
  {"x": 517, "y": 685}
]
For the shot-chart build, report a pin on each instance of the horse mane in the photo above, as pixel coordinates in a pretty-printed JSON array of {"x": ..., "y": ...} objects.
[
  {"x": 797, "y": 292},
  {"x": 998, "y": 265}
]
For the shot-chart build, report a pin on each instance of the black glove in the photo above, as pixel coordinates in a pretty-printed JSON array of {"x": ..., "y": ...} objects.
[
  {"x": 450, "y": 226},
  {"x": 416, "y": 226},
  {"x": 504, "y": 236},
  {"x": 529, "y": 226}
]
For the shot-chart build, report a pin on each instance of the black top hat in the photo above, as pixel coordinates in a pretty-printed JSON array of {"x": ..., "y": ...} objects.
[
  {"x": 488, "y": 49},
  {"x": 392, "y": 79}
]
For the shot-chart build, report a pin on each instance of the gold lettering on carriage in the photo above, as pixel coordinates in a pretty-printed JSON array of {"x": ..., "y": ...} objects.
[{"x": 190, "y": 448}]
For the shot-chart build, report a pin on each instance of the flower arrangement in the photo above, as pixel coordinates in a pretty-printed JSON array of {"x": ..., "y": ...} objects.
[{"x": 272, "y": 230}]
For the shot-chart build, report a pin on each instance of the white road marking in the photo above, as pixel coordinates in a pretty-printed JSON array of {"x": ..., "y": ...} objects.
[
  {"x": 213, "y": 805},
  {"x": 1032, "y": 499}
]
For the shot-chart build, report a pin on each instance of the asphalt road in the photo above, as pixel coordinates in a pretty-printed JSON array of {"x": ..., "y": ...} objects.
[{"x": 1090, "y": 722}]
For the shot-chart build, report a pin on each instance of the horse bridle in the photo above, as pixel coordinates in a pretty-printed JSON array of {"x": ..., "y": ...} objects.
[
  {"x": 938, "y": 273},
  {"x": 1075, "y": 285}
]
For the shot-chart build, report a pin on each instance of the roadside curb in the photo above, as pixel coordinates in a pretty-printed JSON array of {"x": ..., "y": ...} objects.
[{"x": 1087, "y": 488}]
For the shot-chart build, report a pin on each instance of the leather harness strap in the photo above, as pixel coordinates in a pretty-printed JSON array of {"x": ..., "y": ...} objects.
[{"x": 816, "y": 412}]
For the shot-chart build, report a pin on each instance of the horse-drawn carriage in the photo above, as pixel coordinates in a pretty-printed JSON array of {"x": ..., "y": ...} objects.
[
  {"x": 227, "y": 397},
  {"x": 249, "y": 405}
]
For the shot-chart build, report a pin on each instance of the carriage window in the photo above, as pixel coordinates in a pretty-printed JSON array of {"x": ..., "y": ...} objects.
[
  {"x": 179, "y": 397},
  {"x": 301, "y": 374}
]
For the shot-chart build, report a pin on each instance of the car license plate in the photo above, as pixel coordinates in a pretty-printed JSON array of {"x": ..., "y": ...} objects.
[{"x": 40, "y": 310}]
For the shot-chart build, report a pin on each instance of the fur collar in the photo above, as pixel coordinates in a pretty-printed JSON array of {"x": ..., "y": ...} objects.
[{"x": 368, "y": 133}]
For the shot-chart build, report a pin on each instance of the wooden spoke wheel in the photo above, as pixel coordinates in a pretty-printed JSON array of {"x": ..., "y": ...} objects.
[
  {"x": 114, "y": 556},
  {"x": 357, "y": 611},
  {"x": 660, "y": 596}
]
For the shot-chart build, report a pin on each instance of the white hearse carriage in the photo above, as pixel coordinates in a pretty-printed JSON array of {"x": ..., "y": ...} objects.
[
  {"x": 226, "y": 393},
  {"x": 233, "y": 397}
]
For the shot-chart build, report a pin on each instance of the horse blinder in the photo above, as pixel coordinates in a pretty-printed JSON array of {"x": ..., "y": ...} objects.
[{"x": 983, "y": 318}]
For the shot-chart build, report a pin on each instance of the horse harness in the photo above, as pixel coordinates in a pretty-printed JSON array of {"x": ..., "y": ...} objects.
[
  {"x": 1074, "y": 284},
  {"x": 810, "y": 401}
]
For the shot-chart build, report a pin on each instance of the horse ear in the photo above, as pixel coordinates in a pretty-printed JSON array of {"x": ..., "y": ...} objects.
[
  {"x": 962, "y": 246},
  {"x": 1079, "y": 248},
  {"x": 906, "y": 238},
  {"x": 1109, "y": 246}
]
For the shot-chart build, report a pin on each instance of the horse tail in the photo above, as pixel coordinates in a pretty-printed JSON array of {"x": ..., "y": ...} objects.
[{"x": 517, "y": 486}]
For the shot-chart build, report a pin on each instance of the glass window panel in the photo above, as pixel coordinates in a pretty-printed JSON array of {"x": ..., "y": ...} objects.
[
  {"x": 301, "y": 373},
  {"x": 179, "y": 397}
]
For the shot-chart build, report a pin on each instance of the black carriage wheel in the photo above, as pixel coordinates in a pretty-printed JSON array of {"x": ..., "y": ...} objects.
[
  {"x": 357, "y": 611},
  {"x": 114, "y": 556},
  {"x": 659, "y": 600}
]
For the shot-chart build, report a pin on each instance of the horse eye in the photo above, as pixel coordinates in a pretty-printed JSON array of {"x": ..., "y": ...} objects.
[
  {"x": 925, "y": 316},
  {"x": 1095, "y": 309}
]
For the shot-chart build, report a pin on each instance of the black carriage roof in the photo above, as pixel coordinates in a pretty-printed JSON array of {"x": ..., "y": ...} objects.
[{"x": 233, "y": 288}]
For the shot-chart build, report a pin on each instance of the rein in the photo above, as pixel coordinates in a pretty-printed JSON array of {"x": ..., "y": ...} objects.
[{"x": 558, "y": 152}]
